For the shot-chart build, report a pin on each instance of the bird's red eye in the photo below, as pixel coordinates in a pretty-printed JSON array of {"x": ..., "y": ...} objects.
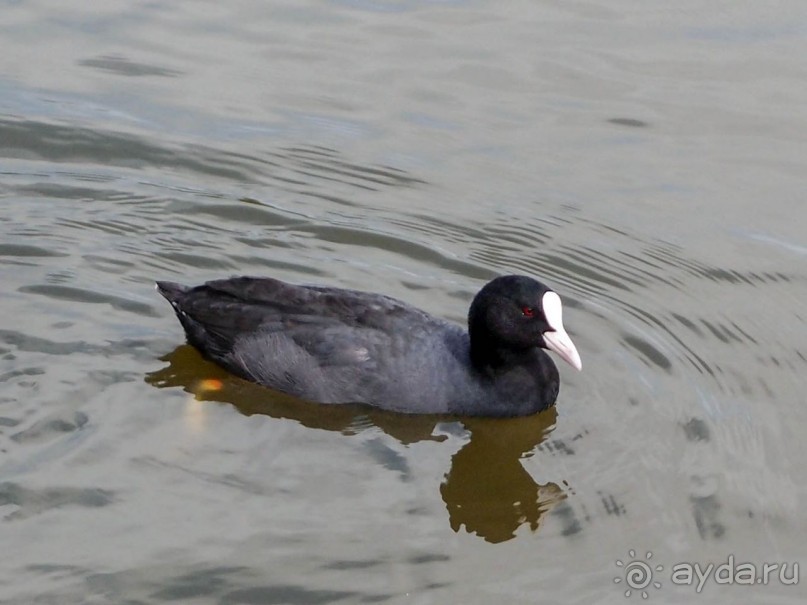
[{"x": 528, "y": 311}]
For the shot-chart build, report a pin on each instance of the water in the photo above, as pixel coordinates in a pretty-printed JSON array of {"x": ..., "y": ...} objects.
[{"x": 647, "y": 161}]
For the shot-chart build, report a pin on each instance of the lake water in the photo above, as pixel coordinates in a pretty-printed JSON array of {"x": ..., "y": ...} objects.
[{"x": 645, "y": 159}]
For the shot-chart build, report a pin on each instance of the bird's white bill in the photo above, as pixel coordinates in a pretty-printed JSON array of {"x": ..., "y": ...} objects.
[{"x": 558, "y": 340}]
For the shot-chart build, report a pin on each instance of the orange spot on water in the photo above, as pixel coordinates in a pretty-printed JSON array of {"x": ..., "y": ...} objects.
[{"x": 210, "y": 384}]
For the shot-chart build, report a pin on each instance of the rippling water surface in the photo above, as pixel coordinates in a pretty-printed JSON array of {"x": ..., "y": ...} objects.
[{"x": 645, "y": 160}]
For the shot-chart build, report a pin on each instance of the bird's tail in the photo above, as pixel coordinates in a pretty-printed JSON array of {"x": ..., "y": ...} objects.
[{"x": 172, "y": 291}]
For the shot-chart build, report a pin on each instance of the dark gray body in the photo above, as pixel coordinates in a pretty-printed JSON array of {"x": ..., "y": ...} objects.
[{"x": 332, "y": 345}]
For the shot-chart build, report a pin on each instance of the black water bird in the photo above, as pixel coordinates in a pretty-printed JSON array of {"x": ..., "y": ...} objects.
[{"x": 332, "y": 345}]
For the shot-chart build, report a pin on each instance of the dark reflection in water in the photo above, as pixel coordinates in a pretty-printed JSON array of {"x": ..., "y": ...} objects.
[
  {"x": 486, "y": 490},
  {"x": 125, "y": 67},
  {"x": 632, "y": 122}
]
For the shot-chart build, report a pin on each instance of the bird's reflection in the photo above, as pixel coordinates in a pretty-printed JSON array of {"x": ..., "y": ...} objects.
[{"x": 487, "y": 490}]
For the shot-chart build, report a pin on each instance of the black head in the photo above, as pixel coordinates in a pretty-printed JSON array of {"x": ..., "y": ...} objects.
[{"x": 515, "y": 313}]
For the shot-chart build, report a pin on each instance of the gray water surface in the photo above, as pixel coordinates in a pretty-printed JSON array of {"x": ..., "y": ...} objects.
[{"x": 646, "y": 160}]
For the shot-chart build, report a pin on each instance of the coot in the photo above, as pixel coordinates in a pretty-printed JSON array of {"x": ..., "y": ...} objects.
[{"x": 332, "y": 345}]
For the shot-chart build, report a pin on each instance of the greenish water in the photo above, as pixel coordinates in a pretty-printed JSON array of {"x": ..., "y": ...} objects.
[{"x": 646, "y": 161}]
